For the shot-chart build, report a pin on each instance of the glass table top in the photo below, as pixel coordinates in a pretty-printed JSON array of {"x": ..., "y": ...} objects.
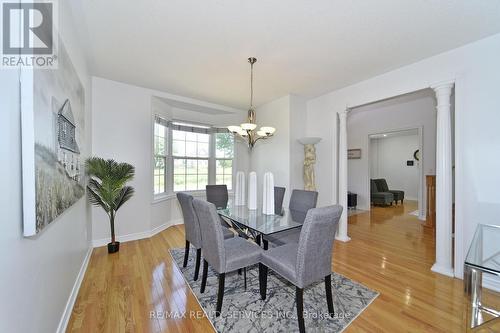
[
  {"x": 264, "y": 224},
  {"x": 484, "y": 251}
]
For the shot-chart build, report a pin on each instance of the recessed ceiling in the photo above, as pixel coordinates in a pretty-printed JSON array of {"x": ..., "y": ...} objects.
[
  {"x": 191, "y": 106},
  {"x": 199, "y": 48}
]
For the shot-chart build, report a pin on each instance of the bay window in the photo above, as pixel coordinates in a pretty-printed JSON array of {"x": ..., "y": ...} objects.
[{"x": 187, "y": 157}]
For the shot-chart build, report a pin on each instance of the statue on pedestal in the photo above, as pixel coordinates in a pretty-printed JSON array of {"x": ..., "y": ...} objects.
[{"x": 309, "y": 162}]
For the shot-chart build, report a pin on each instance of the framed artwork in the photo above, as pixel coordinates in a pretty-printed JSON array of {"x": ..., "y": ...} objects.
[
  {"x": 353, "y": 154},
  {"x": 53, "y": 142}
]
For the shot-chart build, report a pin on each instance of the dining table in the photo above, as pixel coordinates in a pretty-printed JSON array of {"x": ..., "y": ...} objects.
[{"x": 255, "y": 224}]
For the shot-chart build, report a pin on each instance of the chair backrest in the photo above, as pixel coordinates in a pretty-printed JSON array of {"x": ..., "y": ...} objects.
[
  {"x": 300, "y": 202},
  {"x": 279, "y": 195},
  {"x": 217, "y": 194},
  {"x": 314, "y": 255},
  {"x": 212, "y": 237},
  {"x": 382, "y": 185},
  {"x": 191, "y": 224},
  {"x": 373, "y": 186}
]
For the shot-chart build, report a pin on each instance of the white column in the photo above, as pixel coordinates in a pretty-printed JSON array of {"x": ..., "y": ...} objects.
[
  {"x": 443, "y": 263},
  {"x": 342, "y": 195}
]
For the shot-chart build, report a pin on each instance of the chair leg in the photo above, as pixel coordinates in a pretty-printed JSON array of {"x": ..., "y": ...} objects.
[
  {"x": 258, "y": 239},
  {"x": 329, "y": 298},
  {"x": 299, "y": 299},
  {"x": 266, "y": 244},
  {"x": 245, "y": 277},
  {"x": 263, "y": 280},
  {"x": 186, "y": 254},
  {"x": 204, "y": 276},
  {"x": 220, "y": 294},
  {"x": 197, "y": 266},
  {"x": 239, "y": 271}
]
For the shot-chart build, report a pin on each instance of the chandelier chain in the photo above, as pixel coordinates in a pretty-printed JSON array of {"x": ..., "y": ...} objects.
[{"x": 251, "y": 84}]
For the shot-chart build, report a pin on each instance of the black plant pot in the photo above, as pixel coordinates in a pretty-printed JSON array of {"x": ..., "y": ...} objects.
[{"x": 113, "y": 247}]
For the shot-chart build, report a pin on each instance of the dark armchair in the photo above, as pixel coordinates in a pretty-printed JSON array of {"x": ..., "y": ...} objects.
[
  {"x": 379, "y": 197},
  {"x": 382, "y": 186}
]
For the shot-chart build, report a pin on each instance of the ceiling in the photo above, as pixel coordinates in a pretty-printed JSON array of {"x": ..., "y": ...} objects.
[{"x": 199, "y": 49}]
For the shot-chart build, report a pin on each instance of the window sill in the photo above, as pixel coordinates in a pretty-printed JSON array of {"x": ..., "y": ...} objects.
[
  {"x": 170, "y": 196},
  {"x": 162, "y": 197}
]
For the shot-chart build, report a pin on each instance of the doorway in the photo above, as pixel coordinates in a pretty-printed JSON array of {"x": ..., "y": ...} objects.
[{"x": 396, "y": 156}]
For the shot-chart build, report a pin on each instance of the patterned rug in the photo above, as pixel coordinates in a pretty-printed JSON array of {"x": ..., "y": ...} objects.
[{"x": 244, "y": 311}]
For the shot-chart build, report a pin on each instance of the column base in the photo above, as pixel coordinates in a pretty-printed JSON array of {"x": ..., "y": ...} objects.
[
  {"x": 448, "y": 271},
  {"x": 343, "y": 238}
]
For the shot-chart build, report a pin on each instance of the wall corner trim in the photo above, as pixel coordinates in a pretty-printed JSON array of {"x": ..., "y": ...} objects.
[{"x": 63, "y": 323}]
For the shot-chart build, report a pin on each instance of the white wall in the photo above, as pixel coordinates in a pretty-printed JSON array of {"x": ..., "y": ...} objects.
[
  {"x": 38, "y": 273},
  {"x": 388, "y": 157},
  {"x": 273, "y": 154},
  {"x": 476, "y": 69},
  {"x": 282, "y": 154},
  {"x": 122, "y": 129},
  {"x": 298, "y": 120},
  {"x": 410, "y": 111}
]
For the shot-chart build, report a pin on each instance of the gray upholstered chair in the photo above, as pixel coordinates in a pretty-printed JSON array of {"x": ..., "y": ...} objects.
[
  {"x": 192, "y": 230},
  {"x": 218, "y": 195},
  {"x": 307, "y": 261},
  {"x": 222, "y": 255},
  {"x": 279, "y": 195},
  {"x": 300, "y": 203},
  {"x": 382, "y": 187},
  {"x": 379, "y": 197}
]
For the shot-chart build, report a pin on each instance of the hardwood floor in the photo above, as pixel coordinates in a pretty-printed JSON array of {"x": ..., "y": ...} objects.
[{"x": 390, "y": 252}]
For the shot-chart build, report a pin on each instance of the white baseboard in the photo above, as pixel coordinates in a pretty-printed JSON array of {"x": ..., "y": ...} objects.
[
  {"x": 63, "y": 323},
  {"x": 442, "y": 270},
  {"x": 137, "y": 235},
  {"x": 491, "y": 282},
  {"x": 165, "y": 226}
]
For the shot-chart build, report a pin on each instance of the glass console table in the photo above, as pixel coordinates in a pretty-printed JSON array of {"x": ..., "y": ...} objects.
[{"x": 483, "y": 257}]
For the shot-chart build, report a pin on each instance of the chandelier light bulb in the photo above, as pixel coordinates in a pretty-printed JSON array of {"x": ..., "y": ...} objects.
[
  {"x": 261, "y": 133},
  {"x": 248, "y": 126},
  {"x": 267, "y": 129},
  {"x": 234, "y": 129}
]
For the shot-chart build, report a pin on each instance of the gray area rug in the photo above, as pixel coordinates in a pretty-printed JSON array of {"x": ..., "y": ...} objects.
[{"x": 244, "y": 311}]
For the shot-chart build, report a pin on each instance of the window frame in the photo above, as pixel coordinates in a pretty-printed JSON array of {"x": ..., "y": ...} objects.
[
  {"x": 165, "y": 157},
  {"x": 214, "y": 137},
  {"x": 169, "y": 166}
]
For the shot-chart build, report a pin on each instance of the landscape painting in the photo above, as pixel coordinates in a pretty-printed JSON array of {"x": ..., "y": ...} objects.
[{"x": 53, "y": 156}]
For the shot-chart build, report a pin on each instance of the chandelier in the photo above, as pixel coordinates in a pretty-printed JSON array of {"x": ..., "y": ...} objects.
[{"x": 247, "y": 131}]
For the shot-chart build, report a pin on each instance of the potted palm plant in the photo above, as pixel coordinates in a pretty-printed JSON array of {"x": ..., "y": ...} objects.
[{"x": 107, "y": 189}]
